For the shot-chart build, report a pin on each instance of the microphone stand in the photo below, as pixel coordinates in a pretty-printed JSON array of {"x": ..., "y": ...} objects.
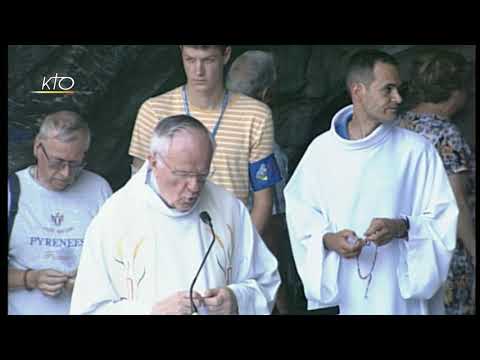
[{"x": 207, "y": 220}]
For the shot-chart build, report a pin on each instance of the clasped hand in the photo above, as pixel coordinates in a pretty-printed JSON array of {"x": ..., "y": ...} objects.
[
  {"x": 380, "y": 231},
  {"x": 51, "y": 282},
  {"x": 218, "y": 301}
]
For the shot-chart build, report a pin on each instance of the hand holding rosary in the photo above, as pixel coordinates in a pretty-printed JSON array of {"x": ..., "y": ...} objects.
[{"x": 368, "y": 276}]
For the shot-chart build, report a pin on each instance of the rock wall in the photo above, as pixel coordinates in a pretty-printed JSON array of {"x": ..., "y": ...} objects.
[{"x": 112, "y": 81}]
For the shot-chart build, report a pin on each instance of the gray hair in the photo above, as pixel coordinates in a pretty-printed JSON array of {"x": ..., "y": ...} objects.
[
  {"x": 252, "y": 72},
  {"x": 64, "y": 126},
  {"x": 167, "y": 128}
]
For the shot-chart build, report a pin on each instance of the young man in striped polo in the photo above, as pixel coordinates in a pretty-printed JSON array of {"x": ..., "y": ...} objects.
[{"x": 242, "y": 128}]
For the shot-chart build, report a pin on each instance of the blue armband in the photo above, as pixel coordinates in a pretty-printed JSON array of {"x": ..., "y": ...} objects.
[{"x": 264, "y": 173}]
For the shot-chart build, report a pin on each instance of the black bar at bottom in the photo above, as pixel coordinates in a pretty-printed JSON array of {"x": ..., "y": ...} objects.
[{"x": 334, "y": 310}]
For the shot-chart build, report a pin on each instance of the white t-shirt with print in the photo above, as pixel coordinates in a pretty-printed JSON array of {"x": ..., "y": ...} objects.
[{"x": 48, "y": 233}]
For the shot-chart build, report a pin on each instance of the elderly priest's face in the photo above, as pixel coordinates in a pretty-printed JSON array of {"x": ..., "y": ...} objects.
[{"x": 181, "y": 172}]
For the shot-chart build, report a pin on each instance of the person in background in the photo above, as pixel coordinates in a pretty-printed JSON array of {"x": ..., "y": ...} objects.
[
  {"x": 253, "y": 73},
  {"x": 54, "y": 202},
  {"x": 242, "y": 128},
  {"x": 437, "y": 90}
]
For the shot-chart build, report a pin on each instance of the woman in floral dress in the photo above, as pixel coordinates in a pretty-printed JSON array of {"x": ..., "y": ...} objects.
[{"x": 436, "y": 92}]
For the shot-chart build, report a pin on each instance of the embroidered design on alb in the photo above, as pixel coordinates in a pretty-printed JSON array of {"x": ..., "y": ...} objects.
[
  {"x": 224, "y": 256},
  {"x": 133, "y": 279}
]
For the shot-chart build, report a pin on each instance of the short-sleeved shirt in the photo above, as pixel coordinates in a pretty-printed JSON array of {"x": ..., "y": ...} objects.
[
  {"x": 244, "y": 138},
  {"x": 455, "y": 152},
  {"x": 48, "y": 233},
  {"x": 445, "y": 135}
]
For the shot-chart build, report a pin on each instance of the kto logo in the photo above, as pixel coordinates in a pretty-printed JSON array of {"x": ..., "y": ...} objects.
[{"x": 57, "y": 85}]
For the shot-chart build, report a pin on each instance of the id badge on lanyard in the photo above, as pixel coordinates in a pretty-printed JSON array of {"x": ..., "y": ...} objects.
[{"x": 222, "y": 111}]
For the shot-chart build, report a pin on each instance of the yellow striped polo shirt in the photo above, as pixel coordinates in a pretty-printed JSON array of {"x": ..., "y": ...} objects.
[{"x": 245, "y": 134}]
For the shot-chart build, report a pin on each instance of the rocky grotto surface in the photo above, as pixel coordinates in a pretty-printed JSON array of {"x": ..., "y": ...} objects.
[{"x": 112, "y": 81}]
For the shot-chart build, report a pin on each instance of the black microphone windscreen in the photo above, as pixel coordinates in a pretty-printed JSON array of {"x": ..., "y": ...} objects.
[{"x": 205, "y": 217}]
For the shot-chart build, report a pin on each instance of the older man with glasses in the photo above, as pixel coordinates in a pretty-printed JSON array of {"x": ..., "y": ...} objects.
[
  {"x": 172, "y": 242},
  {"x": 50, "y": 205}
]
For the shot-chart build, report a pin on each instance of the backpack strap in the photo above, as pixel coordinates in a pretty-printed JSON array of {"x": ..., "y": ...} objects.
[{"x": 14, "y": 185}]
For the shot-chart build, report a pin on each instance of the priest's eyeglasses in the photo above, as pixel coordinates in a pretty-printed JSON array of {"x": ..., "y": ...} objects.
[
  {"x": 59, "y": 164},
  {"x": 185, "y": 175}
]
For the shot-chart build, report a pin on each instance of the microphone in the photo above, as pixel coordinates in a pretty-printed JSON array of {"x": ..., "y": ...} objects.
[{"x": 206, "y": 219}]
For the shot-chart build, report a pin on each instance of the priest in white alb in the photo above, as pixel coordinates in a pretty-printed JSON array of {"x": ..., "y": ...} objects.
[
  {"x": 371, "y": 215},
  {"x": 146, "y": 246}
]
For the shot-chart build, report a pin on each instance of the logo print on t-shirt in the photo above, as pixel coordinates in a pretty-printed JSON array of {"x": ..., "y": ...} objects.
[
  {"x": 262, "y": 173},
  {"x": 57, "y": 219}
]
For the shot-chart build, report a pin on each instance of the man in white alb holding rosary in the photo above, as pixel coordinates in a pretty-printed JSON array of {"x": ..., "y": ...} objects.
[{"x": 371, "y": 215}]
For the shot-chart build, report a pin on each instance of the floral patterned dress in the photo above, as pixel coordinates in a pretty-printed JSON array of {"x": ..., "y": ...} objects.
[{"x": 457, "y": 157}]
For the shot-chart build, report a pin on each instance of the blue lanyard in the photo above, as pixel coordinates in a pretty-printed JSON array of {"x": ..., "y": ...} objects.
[{"x": 224, "y": 107}]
